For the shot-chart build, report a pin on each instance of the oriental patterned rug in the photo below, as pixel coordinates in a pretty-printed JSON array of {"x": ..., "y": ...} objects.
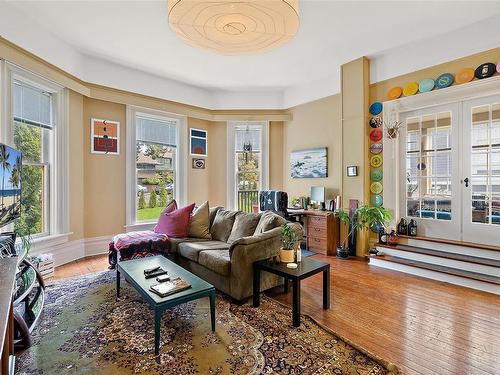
[{"x": 85, "y": 330}]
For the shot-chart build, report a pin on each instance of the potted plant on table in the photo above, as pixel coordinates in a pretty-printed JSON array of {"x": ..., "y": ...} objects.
[
  {"x": 365, "y": 217},
  {"x": 289, "y": 241}
]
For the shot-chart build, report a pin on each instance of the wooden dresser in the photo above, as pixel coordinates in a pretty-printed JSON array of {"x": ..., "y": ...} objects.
[{"x": 322, "y": 230}]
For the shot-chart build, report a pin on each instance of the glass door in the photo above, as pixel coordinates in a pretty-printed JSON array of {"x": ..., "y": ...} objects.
[
  {"x": 429, "y": 170},
  {"x": 481, "y": 172}
]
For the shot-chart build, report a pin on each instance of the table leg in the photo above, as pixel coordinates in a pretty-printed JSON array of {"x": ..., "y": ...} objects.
[
  {"x": 256, "y": 286},
  {"x": 117, "y": 283},
  {"x": 326, "y": 288},
  {"x": 212, "y": 309},
  {"x": 157, "y": 331},
  {"x": 285, "y": 286},
  {"x": 296, "y": 302}
]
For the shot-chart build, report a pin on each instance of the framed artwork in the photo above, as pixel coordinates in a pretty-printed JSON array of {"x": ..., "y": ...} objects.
[
  {"x": 352, "y": 171},
  {"x": 198, "y": 163},
  {"x": 310, "y": 163},
  {"x": 198, "y": 142},
  {"x": 104, "y": 137}
]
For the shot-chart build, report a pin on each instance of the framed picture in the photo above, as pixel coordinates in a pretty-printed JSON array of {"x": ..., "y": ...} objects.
[
  {"x": 352, "y": 171},
  {"x": 198, "y": 163},
  {"x": 310, "y": 163},
  {"x": 104, "y": 137},
  {"x": 197, "y": 142}
]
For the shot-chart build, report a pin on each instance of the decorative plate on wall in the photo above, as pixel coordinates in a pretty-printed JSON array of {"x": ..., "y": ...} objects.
[
  {"x": 464, "y": 75},
  {"x": 394, "y": 93},
  {"x": 376, "y": 174},
  {"x": 376, "y": 121},
  {"x": 426, "y": 85},
  {"x": 377, "y": 200},
  {"x": 498, "y": 67},
  {"x": 376, "y": 161},
  {"x": 376, "y": 148},
  {"x": 376, "y": 108},
  {"x": 376, "y": 135},
  {"x": 444, "y": 80},
  {"x": 410, "y": 89},
  {"x": 376, "y": 187},
  {"x": 485, "y": 70}
]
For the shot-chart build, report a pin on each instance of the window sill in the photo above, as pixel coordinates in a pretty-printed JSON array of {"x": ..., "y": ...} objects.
[
  {"x": 139, "y": 226},
  {"x": 40, "y": 244}
]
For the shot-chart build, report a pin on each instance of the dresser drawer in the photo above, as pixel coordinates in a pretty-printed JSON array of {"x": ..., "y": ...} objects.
[
  {"x": 316, "y": 221},
  {"x": 317, "y": 231},
  {"x": 317, "y": 244}
]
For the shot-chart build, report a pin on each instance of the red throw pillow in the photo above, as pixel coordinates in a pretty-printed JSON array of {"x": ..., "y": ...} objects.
[{"x": 175, "y": 224}]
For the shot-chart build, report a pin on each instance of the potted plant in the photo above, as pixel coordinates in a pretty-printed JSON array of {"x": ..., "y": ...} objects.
[
  {"x": 365, "y": 217},
  {"x": 289, "y": 241}
]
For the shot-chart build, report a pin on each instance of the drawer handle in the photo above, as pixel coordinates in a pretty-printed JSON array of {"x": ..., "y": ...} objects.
[
  {"x": 317, "y": 240},
  {"x": 317, "y": 229}
]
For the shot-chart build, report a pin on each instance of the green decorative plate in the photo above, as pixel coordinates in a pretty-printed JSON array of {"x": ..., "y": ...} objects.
[
  {"x": 377, "y": 200},
  {"x": 376, "y": 174},
  {"x": 376, "y": 187}
]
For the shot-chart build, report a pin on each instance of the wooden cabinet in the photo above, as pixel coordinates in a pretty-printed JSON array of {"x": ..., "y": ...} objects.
[{"x": 322, "y": 231}]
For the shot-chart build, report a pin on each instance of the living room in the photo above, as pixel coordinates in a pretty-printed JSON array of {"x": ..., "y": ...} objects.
[{"x": 320, "y": 205}]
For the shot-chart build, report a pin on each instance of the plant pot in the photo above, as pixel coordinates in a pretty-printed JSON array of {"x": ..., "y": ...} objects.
[
  {"x": 342, "y": 253},
  {"x": 287, "y": 256}
]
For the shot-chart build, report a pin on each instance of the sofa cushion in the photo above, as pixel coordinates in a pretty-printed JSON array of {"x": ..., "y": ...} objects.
[
  {"x": 175, "y": 242},
  {"x": 175, "y": 224},
  {"x": 199, "y": 226},
  {"x": 244, "y": 225},
  {"x": 268, "y": 220},
  {"x": 211, "y": 214},
  {"x": 191, "y": 250},
  {"x": 216, "y": 260},
  {"x": 223, "y": 224}
]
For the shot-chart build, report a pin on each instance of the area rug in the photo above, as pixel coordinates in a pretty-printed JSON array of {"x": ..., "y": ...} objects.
[{"x": 85, "y": 330}]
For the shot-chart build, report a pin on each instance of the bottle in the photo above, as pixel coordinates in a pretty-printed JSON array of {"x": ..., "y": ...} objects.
[
  {"x": 412, "y": 228},
  {"x": 393, "y": 238},
  {"x": 382, "y": 236},
  {"x": 403, "y": 227},
  {"x": 299, "y": 254}
]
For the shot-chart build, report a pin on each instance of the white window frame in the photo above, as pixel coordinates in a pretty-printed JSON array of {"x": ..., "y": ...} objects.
[
  {"x": 58, "y": 195},
  {"x": 231, "y": 165},
  {"x": 181, "y": 164}
]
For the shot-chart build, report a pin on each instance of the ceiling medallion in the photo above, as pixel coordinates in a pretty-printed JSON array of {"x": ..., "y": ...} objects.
[{"x": 234, "y": 27}]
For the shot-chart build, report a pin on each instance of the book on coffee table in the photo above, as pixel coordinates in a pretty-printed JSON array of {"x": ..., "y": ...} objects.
[{"x": 170, "y": 287}]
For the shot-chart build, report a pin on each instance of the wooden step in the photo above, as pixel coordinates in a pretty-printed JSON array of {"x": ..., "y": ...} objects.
[
  {"x": 444, "y": 254},
  {"x": 452, "y": 242},
  {"x": 438, "y": 268}
]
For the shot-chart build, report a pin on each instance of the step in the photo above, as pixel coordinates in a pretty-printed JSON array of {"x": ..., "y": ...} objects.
[
  {"x": 452, "y": 242},
  {"x": 444, "y": 254},
  {"x": 467, "y": 279}
]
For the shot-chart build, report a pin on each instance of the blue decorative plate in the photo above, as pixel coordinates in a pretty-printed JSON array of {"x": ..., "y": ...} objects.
[
  {"x": 444, "y": 80},
  {"x": 376, "y": 108},
  {"x": 426, "y": 85},
  {"x": 377, "y": 200}
]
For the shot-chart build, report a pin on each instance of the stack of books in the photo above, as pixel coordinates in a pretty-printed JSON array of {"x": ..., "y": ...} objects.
[
  {"x": 45, "y": 265},
  {"x": 170, "y": 287}
]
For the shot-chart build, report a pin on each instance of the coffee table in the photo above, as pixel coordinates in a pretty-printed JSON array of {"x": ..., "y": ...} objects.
[
  {"x": 307, "y": 267},
  {"x": 133, "y": 271}
]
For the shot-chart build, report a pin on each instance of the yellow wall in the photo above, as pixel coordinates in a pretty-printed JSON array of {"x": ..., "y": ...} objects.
[
  {"x": 314, "y": 124},
  {"x": 276, "y": 131},
  {"x": 217, "y": 151}
]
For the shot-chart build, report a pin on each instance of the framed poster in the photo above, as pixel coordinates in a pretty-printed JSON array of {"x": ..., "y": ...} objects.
[
  {"x": 198, "y": 142},
  {"x": 311, "y": 163},
  {"x": 104, "y": 137}
]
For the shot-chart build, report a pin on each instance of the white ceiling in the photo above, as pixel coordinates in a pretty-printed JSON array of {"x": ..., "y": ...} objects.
[{"x": 135, "y": 36}]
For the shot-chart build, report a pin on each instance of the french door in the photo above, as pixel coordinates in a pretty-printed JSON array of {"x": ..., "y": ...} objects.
[{"x": 450, "y": 170}]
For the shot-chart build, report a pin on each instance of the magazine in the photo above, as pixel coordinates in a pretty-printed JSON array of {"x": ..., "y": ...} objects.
[{"x": 170, "y": 287}]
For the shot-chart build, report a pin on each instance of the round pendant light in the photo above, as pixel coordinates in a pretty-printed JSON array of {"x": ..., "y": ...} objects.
[{"x": 234, "y": 27}]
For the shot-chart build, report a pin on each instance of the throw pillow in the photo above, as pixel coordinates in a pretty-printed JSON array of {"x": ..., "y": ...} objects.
[
  {"x": 223, "y": 223},
  {"x": 268, "y": 220},
  {"x": 244, "y": 225},
  {"x": 172, "y": 206},
  {"x": 199, "y": 227},
  {"x": 175, "y": 224},
  {"x": 212, "y": 212}
]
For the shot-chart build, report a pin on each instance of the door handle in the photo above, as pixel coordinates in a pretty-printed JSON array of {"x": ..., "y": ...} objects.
[{"x": 466, "y": 181}]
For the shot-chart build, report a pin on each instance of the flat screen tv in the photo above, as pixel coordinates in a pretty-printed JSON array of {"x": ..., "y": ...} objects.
[{"x": 10, "y": 184}]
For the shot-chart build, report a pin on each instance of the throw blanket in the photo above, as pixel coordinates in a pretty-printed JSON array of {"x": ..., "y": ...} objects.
[{"x": 137, "y": 244}]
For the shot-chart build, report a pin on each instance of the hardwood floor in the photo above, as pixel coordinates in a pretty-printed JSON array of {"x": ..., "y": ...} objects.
[{"x": 421, "y": 325}]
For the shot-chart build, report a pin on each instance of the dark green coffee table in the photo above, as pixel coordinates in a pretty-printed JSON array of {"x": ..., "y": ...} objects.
[{"x": 133, "y": 271}]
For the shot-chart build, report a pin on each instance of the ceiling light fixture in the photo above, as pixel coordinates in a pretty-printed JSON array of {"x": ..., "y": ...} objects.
[{"x": 234, "y": 27}]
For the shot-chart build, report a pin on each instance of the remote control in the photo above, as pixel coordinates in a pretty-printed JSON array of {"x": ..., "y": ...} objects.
[
  {"x": 163, "y": 278},
  {"x": 150, "y": 270}
]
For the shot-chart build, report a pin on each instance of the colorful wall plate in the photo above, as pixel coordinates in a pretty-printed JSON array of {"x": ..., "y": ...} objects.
[
  {"x": 377, "y": 200},
  {"x": 376, "y": 121},
  {"x": 464, "y": 75},
  {"x": 426, "y": 85},
  {"x": 376, "y": 108},
  {"x": 444, "y": 80},
  {"x": 410, "y": 89},
  {"x": 376, "y": 174},
  {"x": 376, "y": 148},
  {"x": 376, "y": 161},
  {"x": 376, "y": 187},
  {"x": 376, "y": 135},
  {"x": 394, "y": 93},
  {"x": 485, "y": 70}
]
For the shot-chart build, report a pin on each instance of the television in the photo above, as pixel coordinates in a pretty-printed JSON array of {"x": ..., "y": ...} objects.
[{"x": 10, "y": 184}]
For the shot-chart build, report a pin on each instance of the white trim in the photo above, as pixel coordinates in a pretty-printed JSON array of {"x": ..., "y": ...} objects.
[{"x": 206, "y": 142}]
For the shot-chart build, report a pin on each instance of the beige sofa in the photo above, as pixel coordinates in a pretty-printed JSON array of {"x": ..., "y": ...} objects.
[{"x": 238, "y": 240}]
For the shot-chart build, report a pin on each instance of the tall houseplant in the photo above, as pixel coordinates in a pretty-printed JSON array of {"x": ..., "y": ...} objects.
[{"x": 365, "y": 217}]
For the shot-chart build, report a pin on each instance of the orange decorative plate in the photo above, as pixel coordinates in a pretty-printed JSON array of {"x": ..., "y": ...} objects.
[
  {"x": 465, "y": 75},
  {"x": 394, "y": 93},
  {"x": 410, "y": 89}
]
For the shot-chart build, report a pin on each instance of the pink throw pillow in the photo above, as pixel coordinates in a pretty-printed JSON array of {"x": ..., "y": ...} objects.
[
  {"x": 172, "y": 206},
  {"x": 175, "y": 224}
]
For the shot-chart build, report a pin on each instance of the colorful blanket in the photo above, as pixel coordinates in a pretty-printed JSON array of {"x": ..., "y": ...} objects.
[{"x": 137, "y": 244}]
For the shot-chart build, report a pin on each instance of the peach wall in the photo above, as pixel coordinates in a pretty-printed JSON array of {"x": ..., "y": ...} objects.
[{"x": 198, "y": 179}]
